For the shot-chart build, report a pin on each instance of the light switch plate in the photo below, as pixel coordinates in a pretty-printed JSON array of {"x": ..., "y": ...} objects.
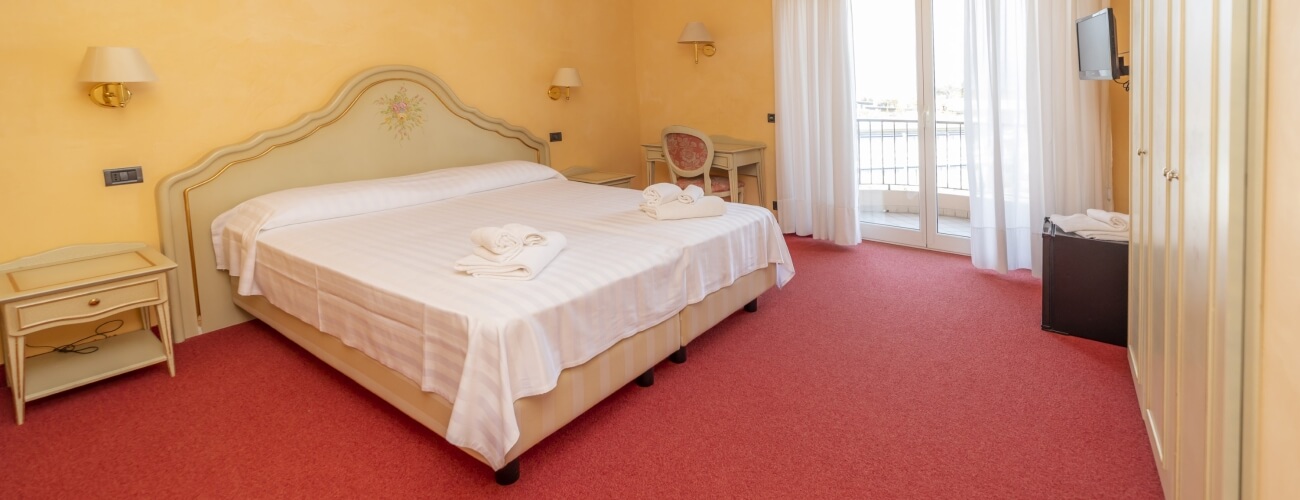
[{"x": 124, "y": 175}]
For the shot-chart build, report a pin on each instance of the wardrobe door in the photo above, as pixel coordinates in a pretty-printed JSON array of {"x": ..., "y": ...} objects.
[
  {"x": 1157, "y": 246},
  {"x": 1138, "y": 180},
  {"x": 1190, "y": 177}
]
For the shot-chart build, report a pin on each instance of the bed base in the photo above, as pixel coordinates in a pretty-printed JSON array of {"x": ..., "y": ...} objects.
[
  {"x": 700, "y": 317},
  {"x": 577, "y": 389}
]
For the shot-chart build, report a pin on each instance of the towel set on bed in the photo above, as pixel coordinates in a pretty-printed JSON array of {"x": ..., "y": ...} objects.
[
  {"x": 512, "y": 252},
  {"x": 666, "y": 201}
]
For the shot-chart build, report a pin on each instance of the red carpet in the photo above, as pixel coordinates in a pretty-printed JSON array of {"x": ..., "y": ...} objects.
[{"x": 880, "y": 371}]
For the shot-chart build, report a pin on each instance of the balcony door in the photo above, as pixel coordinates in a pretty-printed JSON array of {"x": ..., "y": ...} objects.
[{"x": 909, "y": 69}]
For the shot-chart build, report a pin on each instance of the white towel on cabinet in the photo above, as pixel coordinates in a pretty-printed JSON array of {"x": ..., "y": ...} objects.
[
  {"x": 1079, "y": 222},
  {"x": 1116, "y": 220}
]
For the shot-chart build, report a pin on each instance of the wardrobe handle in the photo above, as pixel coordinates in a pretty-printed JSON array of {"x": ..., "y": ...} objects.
[
  {"x": 1171, "y": 175},
  {"x": 1142, "y": 152}
]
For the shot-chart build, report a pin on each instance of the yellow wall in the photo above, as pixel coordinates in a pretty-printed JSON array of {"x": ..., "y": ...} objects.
[
  {"x": 230, "y": 68},
  {"x": 1119, "y": 115},
  {"x": 729, "y": 94},
  {"x": 1279, "y": 411}
]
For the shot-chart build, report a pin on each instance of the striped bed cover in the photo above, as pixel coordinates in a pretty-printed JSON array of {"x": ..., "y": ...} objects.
[{"x": 382, "y": 283}]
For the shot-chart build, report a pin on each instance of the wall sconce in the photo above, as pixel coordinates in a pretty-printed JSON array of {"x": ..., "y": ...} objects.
[
  {"x": 565, "y": 78},
  {"x": 111, "y": 67},
  {"x": 697, "y": 34}
]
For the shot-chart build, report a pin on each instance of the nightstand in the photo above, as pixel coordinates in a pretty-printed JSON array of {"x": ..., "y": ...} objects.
[
  {"x": 590, "y": 176},
  {"x": 82, "y": 284}
]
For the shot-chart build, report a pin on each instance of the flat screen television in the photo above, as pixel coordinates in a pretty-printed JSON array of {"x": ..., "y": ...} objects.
[{"x": 1098, "y": 57}]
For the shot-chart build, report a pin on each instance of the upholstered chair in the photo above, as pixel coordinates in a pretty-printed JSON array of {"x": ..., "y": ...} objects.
[{"x": 690, "y": 158}]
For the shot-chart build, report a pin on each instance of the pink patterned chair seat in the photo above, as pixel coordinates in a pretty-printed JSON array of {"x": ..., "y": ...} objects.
[{"x": 719, "y": 185}]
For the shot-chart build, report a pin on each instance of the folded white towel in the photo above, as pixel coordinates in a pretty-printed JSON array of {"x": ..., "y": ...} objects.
[
  {"x": 662, "y": 192},
  {"x": 525, "y": 266},
  {"x": 1104, "y": 235},
  {"x": 1080, "y": 222},
  {"x": 708, "y": 206},
  {"x": 1116, "y": 220},
  {"x": 690, "y": 195}
]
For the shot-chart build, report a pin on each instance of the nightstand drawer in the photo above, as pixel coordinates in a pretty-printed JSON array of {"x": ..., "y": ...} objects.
[{"x": 85, "y": 303}]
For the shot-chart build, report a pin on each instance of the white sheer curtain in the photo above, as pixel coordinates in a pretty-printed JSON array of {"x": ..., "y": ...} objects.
[
  {"x": 1038, "y": 138},
  {"x": 816, "y": 141}
]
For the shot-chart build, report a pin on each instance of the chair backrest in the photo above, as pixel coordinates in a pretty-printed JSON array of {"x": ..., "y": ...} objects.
[{"x": 689, "y": 152}]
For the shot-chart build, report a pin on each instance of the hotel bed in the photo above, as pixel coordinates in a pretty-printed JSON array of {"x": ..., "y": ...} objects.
[{"x": 347, "y": 247}]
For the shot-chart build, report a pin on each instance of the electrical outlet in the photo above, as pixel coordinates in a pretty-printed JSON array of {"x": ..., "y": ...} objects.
[
  {"x": 557, "y": 136},
  {"x": 124, "y": 175},
  {"x": 771, "y": 117}
]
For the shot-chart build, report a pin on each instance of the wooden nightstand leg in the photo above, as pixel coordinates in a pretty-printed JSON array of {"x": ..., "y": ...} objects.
[
  {"x": 4, "y": 351},
  {"x": 165, "y": 331},
  {"x": 15, "y": 358}
]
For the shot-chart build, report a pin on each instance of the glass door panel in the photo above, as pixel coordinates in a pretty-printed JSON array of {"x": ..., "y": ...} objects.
[
  {"x": 890, "y": 201},
  {"x": 952, "y": 190},
  {"x": 910, "y": 99}
]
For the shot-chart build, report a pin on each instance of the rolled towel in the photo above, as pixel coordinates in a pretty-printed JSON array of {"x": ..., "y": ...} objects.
[
  {"x": 497, "y": 240},
  {"x": 707, "y": 206},
  {"x": 690, "y": 194},
  {"x": 1079, "y": 222},
  {"x": 527, "y": 234},
  {"x": 1117, "y": 221},
  {"x": 527, "y": 265},
  {"x": 662, "y": 192}
]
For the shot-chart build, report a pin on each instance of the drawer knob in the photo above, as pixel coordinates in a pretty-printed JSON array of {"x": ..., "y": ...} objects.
[{"x": 94, "y": 302}]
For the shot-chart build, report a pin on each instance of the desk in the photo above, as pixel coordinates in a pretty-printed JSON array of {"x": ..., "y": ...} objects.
[{"x": 733, "y": 155}]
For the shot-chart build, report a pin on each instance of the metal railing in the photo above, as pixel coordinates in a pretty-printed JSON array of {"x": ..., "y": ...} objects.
[{"x": 889, "y": 155}]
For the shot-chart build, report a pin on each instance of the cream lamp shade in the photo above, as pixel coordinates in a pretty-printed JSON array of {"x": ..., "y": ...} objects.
[
  {"x": 565, "y": 78},
  {"x": 696, "y": 34},
  {"x": 111, "y": 67}
]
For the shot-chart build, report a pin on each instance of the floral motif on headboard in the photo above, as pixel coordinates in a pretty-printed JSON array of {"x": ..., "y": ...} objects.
[{"x": 402, "y": 113}]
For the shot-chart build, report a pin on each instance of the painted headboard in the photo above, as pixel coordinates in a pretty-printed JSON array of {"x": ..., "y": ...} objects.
[{"x": 386, "y": 121}]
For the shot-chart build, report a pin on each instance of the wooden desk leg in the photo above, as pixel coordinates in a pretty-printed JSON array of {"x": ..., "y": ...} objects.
[
  {"x": 737, "y": 194},
  {"x": 165, "y": 331},
  {"x": 15, "y": 358},
  {"x": 762, "y": 192},
  {"x": 649, "y": 173}
]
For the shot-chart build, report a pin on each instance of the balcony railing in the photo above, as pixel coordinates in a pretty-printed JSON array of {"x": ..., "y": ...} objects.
[{"x": 889, "y": 155}]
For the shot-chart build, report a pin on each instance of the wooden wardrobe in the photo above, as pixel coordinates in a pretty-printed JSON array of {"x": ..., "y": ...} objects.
[{"x": 1187, "y": 262}]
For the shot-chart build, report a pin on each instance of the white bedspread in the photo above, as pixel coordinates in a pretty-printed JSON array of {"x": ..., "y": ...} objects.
[{"x": 383, "y": 283}]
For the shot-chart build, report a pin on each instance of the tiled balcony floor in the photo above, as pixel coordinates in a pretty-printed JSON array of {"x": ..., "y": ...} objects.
[{"x": 955, "y": 226}]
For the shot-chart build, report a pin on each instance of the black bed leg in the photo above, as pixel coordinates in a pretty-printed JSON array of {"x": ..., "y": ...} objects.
[
  {"x": 752, "y": 306},
  {"x": 646, "y": 379},
  {"x": 679, "y": 357},
  {"x": 508, "y": 474}
]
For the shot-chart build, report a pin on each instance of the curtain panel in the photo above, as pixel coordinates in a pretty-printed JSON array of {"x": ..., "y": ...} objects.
[
  {"x": 816, "y": 135},
  {"x": 1038, "y": 138}
]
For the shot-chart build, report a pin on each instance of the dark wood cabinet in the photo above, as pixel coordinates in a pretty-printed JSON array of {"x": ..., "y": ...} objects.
[{"x": 1085, "y": 286}]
